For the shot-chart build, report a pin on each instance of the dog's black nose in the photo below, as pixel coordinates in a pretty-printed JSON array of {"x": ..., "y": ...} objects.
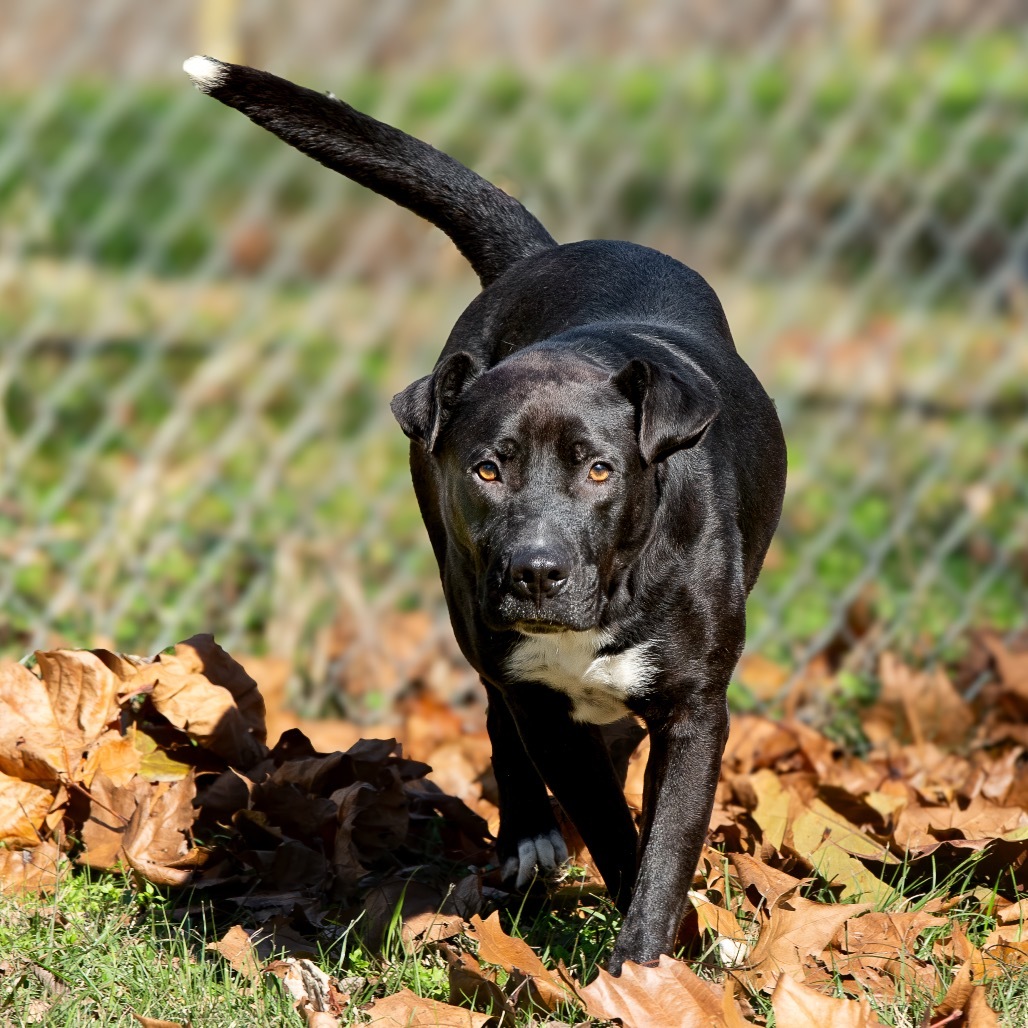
[{"x": 537, "y": 576}]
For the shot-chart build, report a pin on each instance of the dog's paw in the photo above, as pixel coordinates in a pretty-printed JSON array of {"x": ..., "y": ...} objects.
[{"x": 538, "y": 855}]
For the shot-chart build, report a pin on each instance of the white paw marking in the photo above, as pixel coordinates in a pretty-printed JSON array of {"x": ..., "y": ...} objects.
[
  {"x": 206, "y": 72},
  {"x": 539, "y": 856},
  {"x": 569, "y": 662}
]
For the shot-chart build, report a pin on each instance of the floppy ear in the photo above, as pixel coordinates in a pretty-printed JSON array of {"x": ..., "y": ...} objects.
[
  {"x": 671, "y": 412},
  {"x": 423, "y": 407}
]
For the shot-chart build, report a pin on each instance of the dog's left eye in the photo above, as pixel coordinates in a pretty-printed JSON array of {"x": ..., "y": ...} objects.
[
  {"x": 600, "y": 472},
  {"x": 487, "y": 471}
]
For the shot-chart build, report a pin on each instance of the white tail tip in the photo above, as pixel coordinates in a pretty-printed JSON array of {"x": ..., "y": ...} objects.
[{"x": 206, "y": 72}]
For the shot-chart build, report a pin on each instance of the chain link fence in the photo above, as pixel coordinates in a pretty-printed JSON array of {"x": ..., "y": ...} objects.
[{"x": 201, "y": 329}]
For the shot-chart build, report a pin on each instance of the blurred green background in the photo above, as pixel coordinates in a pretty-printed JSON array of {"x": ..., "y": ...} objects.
[{"x": 200, "y": 329}]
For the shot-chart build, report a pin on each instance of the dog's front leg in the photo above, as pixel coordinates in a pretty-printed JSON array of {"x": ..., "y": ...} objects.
[
  {"x": 529, "y": 841},
  {"x": 681, "y": 778},
  {"x": 575, "y": 763}
]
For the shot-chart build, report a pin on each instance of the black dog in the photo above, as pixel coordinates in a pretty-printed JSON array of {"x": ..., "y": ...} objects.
[{"x": 600, "y": 475}]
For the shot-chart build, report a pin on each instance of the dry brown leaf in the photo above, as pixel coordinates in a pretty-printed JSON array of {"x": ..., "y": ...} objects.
[
  {"x": 235, "y": 946},
  {"x": 30, "y": 870},
  {"x": 116, "y": 756},
  {"x": 202, "y": 691},
  {"x": 919, "y": 826},
  {"x": 978, "y": 1013},
  {"x": 1011, "y": 665},
  {"x": 33, "y": 745},
  {"x": 878, "y": 934},
  {"x": 472, "y": 987},
  {"x": 669, "y": 995},
  {"x": 923, "y": 705},
  {"x": 421, "y": 929},
  {"x": 141, "y": 825},
  {"x": 798, "y": 928},
  {"x": 767, "y": 882},
  {"x": 1013, "y": 913},
  {"x": 959, "y": 991},
  {"x": 761, "y": 676},
  {"x": 883, "y": 944},
  {"x": 83, "y": 692},
  {"x": 201, "y": 653},
  {"x": 757, "y": 742},
  {"x": 723, "y": 925},
  {"x": 153, "y": 1022},
  {"x": 23, "y": 810},
  {"x": 798, "y": 1006},
  {"x": 404, "y": 1009},
  {"x": 313, "y": 992},
  {"x": 496, "y": 947},
  {"x": 772, "y": 807}
]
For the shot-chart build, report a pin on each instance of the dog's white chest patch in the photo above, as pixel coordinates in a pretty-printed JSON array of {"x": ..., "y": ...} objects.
[{"x": 569, "y": 662}]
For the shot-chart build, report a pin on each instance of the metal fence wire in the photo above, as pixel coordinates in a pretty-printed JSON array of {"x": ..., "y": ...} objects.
[{"x": 201, "y": 329}]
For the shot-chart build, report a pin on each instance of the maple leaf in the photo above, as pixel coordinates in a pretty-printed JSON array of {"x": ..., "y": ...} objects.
[
  {"x": 798, "y": 1006},
  {"x": 404, "y": 1009},
  {"x": 34, "y": 744},
  {"x": 768, "y": 883},
  {"x": 669, "y": 995},
  {"x": 23, "y": 810},
  {"x": 797, "y": 930},
  {"x": 142, "y": 826},
  {"x": 497, "y": 947},
  {"x": 30, "y": 870},
  {"x": 224, "y": 714}
]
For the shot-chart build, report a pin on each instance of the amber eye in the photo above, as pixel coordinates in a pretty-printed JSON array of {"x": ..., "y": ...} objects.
[
  {"x": 599, "y": 472},
  {"x": 487, "y": 471}
]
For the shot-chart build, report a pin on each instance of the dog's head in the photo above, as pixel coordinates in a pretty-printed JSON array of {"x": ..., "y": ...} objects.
[{"x": 549, "y": 472}]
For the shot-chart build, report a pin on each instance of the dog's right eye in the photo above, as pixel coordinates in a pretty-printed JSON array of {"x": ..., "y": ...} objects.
[{"x": 487, "y": 471}]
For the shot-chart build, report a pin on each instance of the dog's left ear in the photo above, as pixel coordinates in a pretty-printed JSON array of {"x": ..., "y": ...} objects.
[
  {"x": 671, "y": 412},
  {"x": 424, "y": 406}
]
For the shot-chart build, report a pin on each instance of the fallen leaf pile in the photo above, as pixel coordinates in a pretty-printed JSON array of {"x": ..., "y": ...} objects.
[{"x": 818, "y": 890}]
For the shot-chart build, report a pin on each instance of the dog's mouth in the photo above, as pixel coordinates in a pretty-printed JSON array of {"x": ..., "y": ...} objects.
[
  {"x": 501, "y": 617},
  {"x": 541, "y": 627}
]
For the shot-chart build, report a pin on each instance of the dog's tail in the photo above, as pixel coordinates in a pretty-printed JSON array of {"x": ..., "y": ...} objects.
[{"x": 491, "y": 229}]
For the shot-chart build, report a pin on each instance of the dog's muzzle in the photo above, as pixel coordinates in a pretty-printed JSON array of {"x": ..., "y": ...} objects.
[{"x": 542, "y": 589}]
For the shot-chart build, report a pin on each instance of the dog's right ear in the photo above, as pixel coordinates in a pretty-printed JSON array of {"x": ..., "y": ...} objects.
[{"x": 424, "y": 406}]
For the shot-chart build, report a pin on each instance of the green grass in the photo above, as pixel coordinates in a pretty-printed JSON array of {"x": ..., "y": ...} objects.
[{"x": 94, "y": 951}]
